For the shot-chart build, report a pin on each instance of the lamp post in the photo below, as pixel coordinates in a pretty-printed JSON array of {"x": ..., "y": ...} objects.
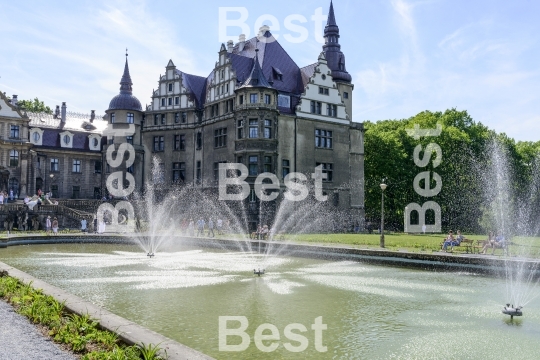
[{"x": 383, "y": 187}]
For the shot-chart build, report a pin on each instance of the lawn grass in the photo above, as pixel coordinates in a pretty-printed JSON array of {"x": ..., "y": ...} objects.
[{"x": 526, "y": 246}]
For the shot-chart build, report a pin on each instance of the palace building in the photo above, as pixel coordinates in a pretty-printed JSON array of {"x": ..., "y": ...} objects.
[{"x": 257, "y": 107}]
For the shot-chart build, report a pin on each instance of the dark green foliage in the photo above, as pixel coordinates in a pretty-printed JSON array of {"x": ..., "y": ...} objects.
[{"x": 35, "y": 106}]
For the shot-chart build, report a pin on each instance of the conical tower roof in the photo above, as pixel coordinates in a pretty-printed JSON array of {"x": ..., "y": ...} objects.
[
  {"x": 125, "y": 100},
  {"x": 256, "y": 77}
]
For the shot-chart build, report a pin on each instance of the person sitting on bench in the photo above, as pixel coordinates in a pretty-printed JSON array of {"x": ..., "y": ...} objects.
[
  {"x": 500, "y": 242},
  {"x": 450, "y": 241},
  {"x": 488, "y": 243}
]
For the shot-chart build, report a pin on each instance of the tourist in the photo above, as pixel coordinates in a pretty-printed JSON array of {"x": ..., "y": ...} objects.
[
  {"x": 26, "y": 200},
  {"x": 95, "y": 224},
  {"x": 449, "y": 241},
  {"x": 48, "y": 225},
  {"x": 220, "y": 226},
  {"x": 264, "y": 232},
  {"x": 211, "y": 227},
  {"x": 83, "y": 225},
  {"x": 424, "y": 229},
  {"x": 488, "y": 243},
  {"x": 11, "y": 194},
  {"x": 55, "y": 226},
  {"x": 500, "y": 242},
  {"x": 101, "y": 227},
  {"x": 200, "y": 227},
  {"x": 191, "y": 227},
  {"x": 1, "y": 198}
]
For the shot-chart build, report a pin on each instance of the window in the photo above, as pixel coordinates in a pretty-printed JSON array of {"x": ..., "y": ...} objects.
[
  {"x": 284, "y": 101},
  {"x": 241, "y": 99},
  {"x": 180, "y": 142},
  {"x": 130, "y": 118},
  {"x": 323, "y": 90},
  {"x": 129, "y": 139},
  {"x": 285, "y": 167},
  {"x": 316, "y": 107},
  {"x": 184, "y": 117},
  {"x": 331, "y": 110},
  {"x": 156, "y": 119},
  {"x": 97, "y": 167},
  {"x": 113, "y": 118},
  {"x": 267, "y": 129},
  {"x": 199, "y": 140},
  {"x": 14, "y": 133},
  {"x": 163, "y": 102},
  {"x": 253, "y": 128},
  {"x": 220, "y": 137},
  {"x": 345, "y": 95},
  {"x": 178, "y": 171},
  {"x": 67, "y": 139},
  {"x": 76, "y": 166},
  {"x": 54, "y": 165},
  {"x": 227, "y": 88},
  {"x": 253, "y": 98},
  {"x": 36, "y": 136},
  {"x": 95, "y": 142},
  {"x": 110, "y": 140},
  {"x": 170, "y": 101},
  {"x": 216, "y": 169},
  {"x": 253, "y": 165},
  {"x": 54, "y": 190},
  {"x": 176, "y": 118},
  {"x": 163, "y": 119},
  {"x": 13, "y": 158},
  {"x": 176, "y": 100},
  {"x": 107, "y": 168},
  {"x": 170, "y": 87},
  {"x": 76, "y": 192},
  {"x": 222, "y": 74},
  {"x": 326, "y": 169},
  {"x": 341, "y": 66},
  {"x": 240, "y": 129},
  {"x": 267, "y": 164},
  {"x": 198, "y": 172},
  {"x": 159, "y": 143},
  {"x": 229, "y": 106},
  {"x": 267, "y": 99},
  {"x": 323, "y": 138}
]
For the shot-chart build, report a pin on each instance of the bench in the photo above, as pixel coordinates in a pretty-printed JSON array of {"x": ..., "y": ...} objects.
[
  {"x": 481, "y": 243},
  {"x": 465, "y": 243}
]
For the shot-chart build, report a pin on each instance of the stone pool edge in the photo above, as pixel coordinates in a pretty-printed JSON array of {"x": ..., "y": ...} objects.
[
  {"x": 127, "y": 331},
  {"x": 483, "y": 264}
]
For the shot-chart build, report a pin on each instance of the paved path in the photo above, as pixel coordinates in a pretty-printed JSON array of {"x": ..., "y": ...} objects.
[{"x": 20, "y": 340}]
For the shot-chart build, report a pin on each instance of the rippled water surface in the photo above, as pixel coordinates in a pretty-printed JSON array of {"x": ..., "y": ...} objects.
[{"x": 372, "y": 312}]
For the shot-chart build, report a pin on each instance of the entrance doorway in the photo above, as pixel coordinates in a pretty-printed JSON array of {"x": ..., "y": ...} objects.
[{"x": 39, "y": 184}]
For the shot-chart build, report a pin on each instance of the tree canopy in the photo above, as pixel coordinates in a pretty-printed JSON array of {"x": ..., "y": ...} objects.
[
  {"x": 466, "y": 170},
  {"x": 35, "y": 105}
]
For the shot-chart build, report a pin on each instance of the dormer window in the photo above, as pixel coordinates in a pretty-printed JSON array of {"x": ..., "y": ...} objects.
[
  {"x": 278, "y": 75},
  {"x": 36, "y": 137},
  {"x": 94, "y": 142},
  {"x": 67, "y": 139}
]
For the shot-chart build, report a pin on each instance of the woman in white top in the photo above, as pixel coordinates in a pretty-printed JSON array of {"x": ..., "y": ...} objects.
[{"x": 1, "y": 198}]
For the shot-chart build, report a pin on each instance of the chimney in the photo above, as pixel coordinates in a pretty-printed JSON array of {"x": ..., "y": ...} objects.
[
  {"x": 57, "y": 112},
  {"x": 262, "y": 30},
  {"x": 230, "y": 45},
  {"x": 92, "y": 115},
  {"x": 241, "y": 42},
  {"x": 64, "y": 112},
  {"x": 14, "y": 100}
]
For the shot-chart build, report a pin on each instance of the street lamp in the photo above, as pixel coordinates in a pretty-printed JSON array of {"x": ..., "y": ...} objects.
[{"x": 383, "y": 187}]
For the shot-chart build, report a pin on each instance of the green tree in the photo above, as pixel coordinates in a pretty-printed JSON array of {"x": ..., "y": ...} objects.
[{"x": 35, "y": 106}]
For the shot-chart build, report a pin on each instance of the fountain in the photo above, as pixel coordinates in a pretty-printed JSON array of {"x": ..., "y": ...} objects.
[{"x": 512, "y": 215}]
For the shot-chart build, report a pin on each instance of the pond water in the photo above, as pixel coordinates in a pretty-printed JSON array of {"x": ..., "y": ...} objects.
[{"x": 371, "y": 312}]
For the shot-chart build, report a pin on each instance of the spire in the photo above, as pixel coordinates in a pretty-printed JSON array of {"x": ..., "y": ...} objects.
[
  {"x": 332, "y": 49},
  {"x": 331, "y": 17},
  {"x": 125, "y": 83},
  {"x": 256, "y": 78}
]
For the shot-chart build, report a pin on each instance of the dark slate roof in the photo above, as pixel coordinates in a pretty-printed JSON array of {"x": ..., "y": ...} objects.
[
  {"x": 256, "y": 77},
  {"x": 332, "y": 50},
  {"x": 125, "y": 100},
  {"x": 271, "y": 55},
  {"x": 77, "y": 124},
  {"x": 196, "y": 85},
  {"x": 307, "y": 73}
]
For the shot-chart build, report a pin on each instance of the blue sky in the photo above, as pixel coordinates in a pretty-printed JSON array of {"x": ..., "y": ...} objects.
[{"x": 404, "y": 56}]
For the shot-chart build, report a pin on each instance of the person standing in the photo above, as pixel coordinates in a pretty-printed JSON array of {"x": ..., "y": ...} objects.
[
  {"x": 48, "y": 225},
  {"x": 1, "y": 198},
  {"x": 220, "y": 227},
  {"x": 211, "y": 227},
  {"x": 191, "y": 227},
  {"x": 55, "y": 226},
  {"x": 200, "y": 227},
  {"x": 83, "y": 225},
  {"x": 11, "y": 194}
]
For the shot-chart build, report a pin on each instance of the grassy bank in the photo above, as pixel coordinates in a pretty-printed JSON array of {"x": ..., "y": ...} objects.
[
  {"x": 522, "y": 246},
  {"x": 79, "y": 333}
]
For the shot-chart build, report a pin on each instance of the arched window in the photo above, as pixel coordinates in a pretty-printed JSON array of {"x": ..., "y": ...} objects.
[
  {"x": 67, "y": 139},
  {"x": 13, "y": 158},
  {"x": 36, "y": 136}
]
